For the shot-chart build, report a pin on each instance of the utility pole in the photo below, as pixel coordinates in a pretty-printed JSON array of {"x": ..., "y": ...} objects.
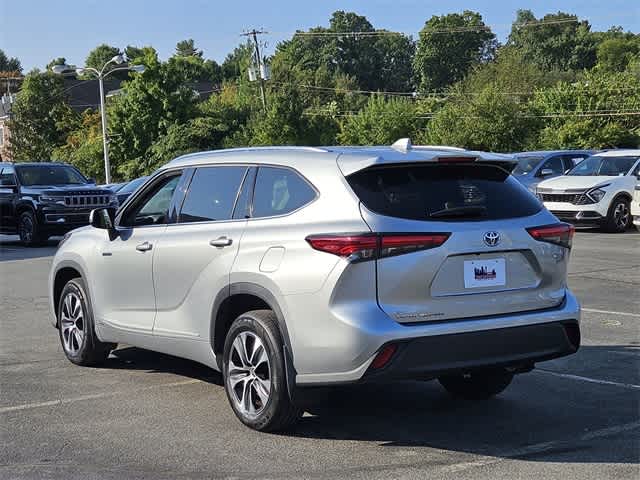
[{"x": 259, "y": 65}]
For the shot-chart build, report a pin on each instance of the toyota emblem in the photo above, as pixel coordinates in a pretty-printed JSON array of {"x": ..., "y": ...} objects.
[{"x": 492, "y": 238}]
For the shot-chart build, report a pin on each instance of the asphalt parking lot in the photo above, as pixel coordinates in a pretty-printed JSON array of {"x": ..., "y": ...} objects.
[{"x": 146, "y": 415}]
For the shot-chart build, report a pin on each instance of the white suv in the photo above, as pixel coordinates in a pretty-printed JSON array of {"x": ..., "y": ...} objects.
[
  {"x": 287, "y": 268},
  {"x": 596, "y": 192}
]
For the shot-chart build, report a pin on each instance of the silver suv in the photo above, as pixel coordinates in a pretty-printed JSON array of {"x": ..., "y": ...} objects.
[{"x": 294, "y": 267}]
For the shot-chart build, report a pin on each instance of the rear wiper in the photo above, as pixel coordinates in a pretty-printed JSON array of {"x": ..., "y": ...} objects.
[{"x": 469, "y": 211}]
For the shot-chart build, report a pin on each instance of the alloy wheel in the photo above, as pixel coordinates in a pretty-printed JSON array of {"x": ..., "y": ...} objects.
[
  {"x": 72, "y": 323},
  {"x": 249, "y": 374},
  {"x": 621, "y": 215},
  {"x": 26, "y": 229}
]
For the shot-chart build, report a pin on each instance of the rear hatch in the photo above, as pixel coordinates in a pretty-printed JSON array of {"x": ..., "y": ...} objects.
[{"x": 489, "y": 264}]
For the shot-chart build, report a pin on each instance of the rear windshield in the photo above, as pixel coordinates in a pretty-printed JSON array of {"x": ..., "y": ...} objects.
[{"x": 443, "y": 192}]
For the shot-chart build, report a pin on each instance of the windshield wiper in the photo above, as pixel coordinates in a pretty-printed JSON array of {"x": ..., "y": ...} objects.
[{"x": 469, "y": 211}]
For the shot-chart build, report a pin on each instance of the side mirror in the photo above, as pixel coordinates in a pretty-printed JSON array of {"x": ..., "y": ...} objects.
[
  {"x": 546, "y": 172},
  {"x": 102, "y": 218}
]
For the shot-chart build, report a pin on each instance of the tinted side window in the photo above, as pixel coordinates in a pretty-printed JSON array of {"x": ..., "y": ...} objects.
[
  {"x": 212, "y": 194},
  {"x": 153, "y": 207},
  {"x": 554, "y": 164},
  {"x": 6, "y": 176},
  {"x": 443, "y": 192},
  {"x": 279, "y": 191}
]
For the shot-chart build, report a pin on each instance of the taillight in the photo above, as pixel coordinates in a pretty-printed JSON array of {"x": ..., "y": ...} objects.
[
  {"x": 559, "y": 234},
  {"x": 368, "y": 246}
]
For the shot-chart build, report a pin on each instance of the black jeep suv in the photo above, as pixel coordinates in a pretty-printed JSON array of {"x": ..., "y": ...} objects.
[{"x": 38, "y": 200}]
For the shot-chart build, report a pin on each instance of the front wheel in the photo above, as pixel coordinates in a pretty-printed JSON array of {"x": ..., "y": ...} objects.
[
  {"x": 29, "y": 230},
  {"x": 254, "y": 373},
  {"x": 618, "y": 216},
  {"x": 477, "y": 385},
  {"x": 76, "y": 326}
]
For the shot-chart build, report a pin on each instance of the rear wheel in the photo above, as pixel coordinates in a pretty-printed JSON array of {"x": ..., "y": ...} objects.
[
  {"x": 76, "y": 326},
  {"x": 254, "y": 373},
  {"x": 29, "y": 230},
  {"x": 477, "y": 385},
  {"x": 619, "y": 216}
]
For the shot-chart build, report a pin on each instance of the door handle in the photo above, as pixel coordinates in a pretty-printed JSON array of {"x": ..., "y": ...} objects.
[
  {"x": 144, "y": 247},
  {"x": 221, "y": 242}
]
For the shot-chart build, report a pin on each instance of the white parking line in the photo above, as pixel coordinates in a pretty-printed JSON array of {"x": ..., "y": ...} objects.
[
  {"x": 542, "y": 447},
  {"x": 627, "y": 314},
  {"x": 587, "y": 379},
  {"x": 63, "y": 401}
]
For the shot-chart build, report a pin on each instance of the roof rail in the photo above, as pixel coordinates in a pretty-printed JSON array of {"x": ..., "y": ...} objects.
[{"x": 439, "y": 147}]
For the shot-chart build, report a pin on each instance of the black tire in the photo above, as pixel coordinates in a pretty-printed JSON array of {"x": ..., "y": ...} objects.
[
  {"x": 278, "y": 412},
  {"x": 619, "y": 216},
  {"x": 29, "y": 230},
  {"x": 477, "y": 385},
  {"x": 89, "y": 350}
]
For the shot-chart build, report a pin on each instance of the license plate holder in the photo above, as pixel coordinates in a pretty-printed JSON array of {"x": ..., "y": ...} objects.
[{"x": 485, "y": 273}]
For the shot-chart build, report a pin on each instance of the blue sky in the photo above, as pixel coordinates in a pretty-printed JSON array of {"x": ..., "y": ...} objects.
[{"x": 38, "y": 30}]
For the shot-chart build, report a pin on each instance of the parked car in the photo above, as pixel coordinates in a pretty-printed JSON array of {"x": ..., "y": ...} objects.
[
  {"x": 596, "y": 192},
  {"x": 293, "y": 267},
  {"x": 533, "y": 167},
  {"x": 39, "y": 200},
  {"x": 128, "y": 188},
  {"x": 635, "y": 206}
]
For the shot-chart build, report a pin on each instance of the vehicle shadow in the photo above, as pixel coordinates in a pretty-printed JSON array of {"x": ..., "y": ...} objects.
[
  {"x": 536, "y": 409},
  {"x": 132, "y": 358},
  {"x": 11, "y": 249}
]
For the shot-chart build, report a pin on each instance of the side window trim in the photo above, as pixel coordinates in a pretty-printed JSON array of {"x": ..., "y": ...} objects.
[{"x": 248, "y": 184}]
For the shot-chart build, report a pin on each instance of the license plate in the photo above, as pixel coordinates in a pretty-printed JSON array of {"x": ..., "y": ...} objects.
[{"x": 484, "y": 273}]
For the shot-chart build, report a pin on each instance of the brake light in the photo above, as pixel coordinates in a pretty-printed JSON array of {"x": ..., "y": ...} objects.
[
  {"x": 368, "y": 246},
  {"x": 559, "y": 234}
]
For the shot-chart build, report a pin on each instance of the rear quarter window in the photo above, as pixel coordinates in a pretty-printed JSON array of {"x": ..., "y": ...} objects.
[
  {"x": 443, "y": 192},
  {"x": 279, "y": 191}
]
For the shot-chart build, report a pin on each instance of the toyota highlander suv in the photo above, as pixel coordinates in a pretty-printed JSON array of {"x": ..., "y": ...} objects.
[
  {"x": 293, "y": 267},
  {"x": 596, "y": 192}
]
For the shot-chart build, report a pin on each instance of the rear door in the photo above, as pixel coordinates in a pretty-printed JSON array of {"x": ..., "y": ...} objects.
[{"x": 489, "y": 264}]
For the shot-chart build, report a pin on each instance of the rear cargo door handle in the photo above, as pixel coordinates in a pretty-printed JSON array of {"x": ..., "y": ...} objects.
[
  {"x": 221, "y": 242},
  {"x": 144, "y": 247}
]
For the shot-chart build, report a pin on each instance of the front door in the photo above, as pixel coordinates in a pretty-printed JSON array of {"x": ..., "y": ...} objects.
[
  {"x": 193, "y": 262},
  {"x": 8, "y": 193},
  {"x": 124, "y": 288}
]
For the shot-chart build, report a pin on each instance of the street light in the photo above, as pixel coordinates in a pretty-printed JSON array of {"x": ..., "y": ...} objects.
[{"x": 101, "y": 75}]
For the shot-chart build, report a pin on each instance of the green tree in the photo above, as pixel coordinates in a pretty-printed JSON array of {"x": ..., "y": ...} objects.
[
  {"x": 237, "y": 62},
  {"x": 133, "y": 53},
  {"x": 375, "y": 62},
  {"x": 595, "y": 112},
  {"x": 487, "y": 120},
  {"x": 100, "y": 55},
  {"x": 41, "y": 118},
  {"x": 615, "y": 54},
  {"x": 382, "y": 121},
  {"x": 449, "y": 46},
  {"x": 83, "y": 146},
  {"x": 9, "y": 64},
  {"x": 150, "y": 103},
  {"x": 555, "y": 42},
  {"x": 187, "y": 48}
]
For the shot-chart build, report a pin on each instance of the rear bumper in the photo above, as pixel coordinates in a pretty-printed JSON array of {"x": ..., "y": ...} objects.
[
  {"x": 517, "y": 347},
  {"x": 430, "y": 349}
]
